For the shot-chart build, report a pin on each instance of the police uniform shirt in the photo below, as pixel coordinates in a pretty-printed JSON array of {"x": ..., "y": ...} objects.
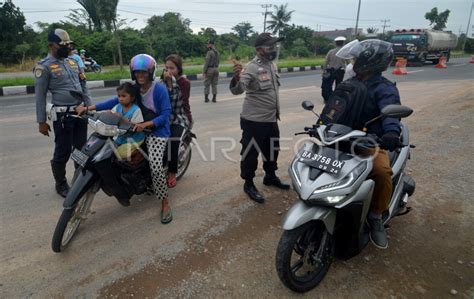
[
  {"x": 211, "y": 60},
  {"x": 260, "y": 80},
  {"x": 59, "y": 76},
  {"x": 334, "y": 62}
]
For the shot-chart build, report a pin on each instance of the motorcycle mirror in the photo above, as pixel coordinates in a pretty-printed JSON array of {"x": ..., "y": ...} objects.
[
  {"x": 396, "y": 111},
  {"x": 307, "y": 105}
]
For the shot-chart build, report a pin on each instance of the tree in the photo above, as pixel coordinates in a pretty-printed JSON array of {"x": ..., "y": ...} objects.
[
  {"x": 243, "y": 30},
  {"x": 438, "y": 19},
  {"x": 279, "y": 18},
  {"x": 108, "y": 15},
  {"x": 92, "y": 9},
  {"x": 12, "y": 22},
  {"x": 371, "y": 30},
  {"x": 80, "y": 17}
]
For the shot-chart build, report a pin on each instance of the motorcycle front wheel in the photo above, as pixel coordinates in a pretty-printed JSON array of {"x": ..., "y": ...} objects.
[
  {"x": 70, "y": 220},
  {"x": 184, "y": 158},
  {"x": 97, "y": 69},
  {"x": 304, "y": 256}
]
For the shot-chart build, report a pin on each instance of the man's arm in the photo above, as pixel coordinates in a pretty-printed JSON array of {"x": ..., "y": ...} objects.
[
  {"x": 206, "y": 62},
  {"x": 388, "y": 95}
]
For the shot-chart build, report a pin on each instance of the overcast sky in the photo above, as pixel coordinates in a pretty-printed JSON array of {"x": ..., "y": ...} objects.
[{"x": 223, "y": 15}]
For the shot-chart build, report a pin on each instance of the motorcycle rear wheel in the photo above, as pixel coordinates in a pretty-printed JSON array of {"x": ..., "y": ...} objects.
[
  {"x": 304, "y": 256},
  {"x": 97, "y": 69},
  {"x": 184, "y": 158},
  {"x": 70, "y": 220}
]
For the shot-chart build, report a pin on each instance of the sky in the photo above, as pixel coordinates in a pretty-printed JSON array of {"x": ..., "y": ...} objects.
[{"x": 223, "y": 15}]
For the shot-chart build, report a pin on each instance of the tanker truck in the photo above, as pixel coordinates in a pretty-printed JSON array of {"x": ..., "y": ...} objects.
[{"x": 420, "y": 45}]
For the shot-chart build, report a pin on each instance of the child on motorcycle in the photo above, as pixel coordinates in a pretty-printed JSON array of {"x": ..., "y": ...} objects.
[{"x": 180, "y": 117}]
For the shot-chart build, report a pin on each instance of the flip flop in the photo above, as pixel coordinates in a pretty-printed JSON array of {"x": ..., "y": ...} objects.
[
  {"x": 171, "y": 182},
  {"x": 165, "y": 219}
]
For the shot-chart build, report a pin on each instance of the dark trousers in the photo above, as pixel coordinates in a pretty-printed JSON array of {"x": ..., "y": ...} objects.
[
  {"x": 258, "y": 137},
  {"x": 326, "y": 86},
  {"x": 69, "y": 132},
  {"x": 173, "y": 147}
]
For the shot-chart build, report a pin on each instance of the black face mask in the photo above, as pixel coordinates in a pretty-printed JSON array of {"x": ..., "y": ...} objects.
[
  {"x": 271, "y": 55},
  {"x": 63, "y": 52}
]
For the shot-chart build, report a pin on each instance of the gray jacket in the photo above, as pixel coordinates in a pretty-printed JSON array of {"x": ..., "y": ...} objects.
[
  {"x": 334, "y": 62},
  {"x": 261, "y": 81},
  {"x": 59, "y": 76}
]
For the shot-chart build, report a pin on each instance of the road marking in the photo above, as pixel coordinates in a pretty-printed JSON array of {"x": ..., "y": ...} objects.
[
  {"x": 281, "y": 90},
  {"x": 410, "y": 72},
  {"x": 459, "y": 64}
]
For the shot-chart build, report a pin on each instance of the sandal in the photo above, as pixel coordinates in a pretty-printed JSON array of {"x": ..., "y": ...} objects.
[
  {"x": 171, "y": 182},
  {"x": 165, "y": 219}
]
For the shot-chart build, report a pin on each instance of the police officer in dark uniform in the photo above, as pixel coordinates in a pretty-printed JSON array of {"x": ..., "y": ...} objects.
[
  {"x": 260, "y": 113},
  {"x": 60, "y": 75}
]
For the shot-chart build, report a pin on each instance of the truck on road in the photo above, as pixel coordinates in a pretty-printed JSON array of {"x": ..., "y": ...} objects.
[{"x": 420, "y": 45}]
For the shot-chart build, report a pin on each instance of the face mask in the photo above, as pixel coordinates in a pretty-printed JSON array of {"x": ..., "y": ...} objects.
[
  {"x": 271, "y": 55},
  {"x": 63, "y": 52},
  {"x": 350, "y": 71}
]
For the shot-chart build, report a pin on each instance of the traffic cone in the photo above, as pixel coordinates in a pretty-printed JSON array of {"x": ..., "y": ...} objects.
[
  {"x": 442, "y": 63},
  {"x": 400, "y": 67},
  {"x": 472, "y": 59}
]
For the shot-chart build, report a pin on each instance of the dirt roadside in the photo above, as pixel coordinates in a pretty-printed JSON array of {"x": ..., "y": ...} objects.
[{"x": 431, "y": 251}]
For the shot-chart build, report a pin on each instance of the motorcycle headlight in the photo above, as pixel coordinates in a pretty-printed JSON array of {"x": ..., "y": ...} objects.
[
  {"x": 106, "y": 130},
  {"x": 341, "y": 184}
]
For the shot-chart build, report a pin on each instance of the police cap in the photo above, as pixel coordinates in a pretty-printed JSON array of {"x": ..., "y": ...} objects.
[
  {"x": 267, "y": 39},
  {"x": 59, "y": 36}
]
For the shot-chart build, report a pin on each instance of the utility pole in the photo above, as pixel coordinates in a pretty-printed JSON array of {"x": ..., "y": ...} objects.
[
  {"x": 468, "y": 24},
  {"x": 384, "y": 25},
  {"x": 357, "y": 20},
  {"x": 266, "y": 6}
]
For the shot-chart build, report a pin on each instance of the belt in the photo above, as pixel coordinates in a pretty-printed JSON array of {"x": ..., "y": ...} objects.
[{"x": 212, "y": 66}]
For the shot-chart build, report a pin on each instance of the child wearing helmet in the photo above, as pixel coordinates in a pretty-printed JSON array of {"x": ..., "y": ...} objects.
[{"x": 154, "y": 103}]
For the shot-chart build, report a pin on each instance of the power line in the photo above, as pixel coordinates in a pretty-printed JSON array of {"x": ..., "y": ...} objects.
[
  {"x": 384, "y": 25},
  {"x": 266, "y": 6}
]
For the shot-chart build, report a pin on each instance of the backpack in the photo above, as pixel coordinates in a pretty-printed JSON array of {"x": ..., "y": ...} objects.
[{"x": 345, "y": 104}]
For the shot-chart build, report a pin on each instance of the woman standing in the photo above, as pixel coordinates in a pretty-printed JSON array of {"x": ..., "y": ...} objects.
[
  {"x": 181, "y": 117},
  {"x": 155, "y": 105}
]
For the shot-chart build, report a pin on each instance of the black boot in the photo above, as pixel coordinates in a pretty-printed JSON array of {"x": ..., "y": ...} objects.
[
  {"x": 214, "y": 98},
  {"x": 273, "y": 180},
  {"x": 59, "y": 173},
  {"x": 206, "y": 98},
  {"x": 252, "y": 192}
]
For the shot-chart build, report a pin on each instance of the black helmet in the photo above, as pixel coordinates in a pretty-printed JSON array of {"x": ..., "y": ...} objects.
[{"x": 371, "y": 55}]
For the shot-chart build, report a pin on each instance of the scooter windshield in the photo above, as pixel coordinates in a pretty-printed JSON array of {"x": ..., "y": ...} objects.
[{"x": 351, "y": 50}]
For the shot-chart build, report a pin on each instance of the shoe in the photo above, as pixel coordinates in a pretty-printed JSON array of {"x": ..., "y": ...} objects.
[
  {"x": 62, "y": 188},
  {"x": 214, "y": 98},
  {"x": 377, "y": 234},
  {"x": 252, "y": 192},
  {"x": 206, "y": 98},
  {"x": 165, "y": 219},
  {"x": 275, "y": 181}
]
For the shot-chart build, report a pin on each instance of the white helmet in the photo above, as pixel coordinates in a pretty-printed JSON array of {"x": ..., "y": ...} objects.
[{"x": 340, "y": 38}]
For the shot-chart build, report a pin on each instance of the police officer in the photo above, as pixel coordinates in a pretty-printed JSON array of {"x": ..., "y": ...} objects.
[
  {"x": 60, "y": 75},
  {"x": 211, "y": 71},
  {"x": 260, "y": 113},
  {"x": 333, "y": 69}
]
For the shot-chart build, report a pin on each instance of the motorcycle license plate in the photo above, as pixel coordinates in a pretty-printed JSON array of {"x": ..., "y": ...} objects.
[
  {"x": 79, "y": 157},
  {"x": 325, "y": 161}
]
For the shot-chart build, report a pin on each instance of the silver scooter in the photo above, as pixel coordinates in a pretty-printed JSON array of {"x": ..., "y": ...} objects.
[{"x": 332, "y": 183}]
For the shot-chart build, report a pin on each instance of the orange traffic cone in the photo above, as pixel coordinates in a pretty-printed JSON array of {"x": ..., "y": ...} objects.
[
  {"x": 472, "y": 59},
  {"x": 442, "y": 63},
  {"x": 400, "y": 67}
]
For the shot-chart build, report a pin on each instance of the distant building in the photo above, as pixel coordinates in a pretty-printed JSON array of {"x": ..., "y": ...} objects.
[{"x": 332, "y": 34}]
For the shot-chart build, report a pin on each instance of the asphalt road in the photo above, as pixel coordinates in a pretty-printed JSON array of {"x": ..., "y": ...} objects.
[{"x": 116, "y": 242}]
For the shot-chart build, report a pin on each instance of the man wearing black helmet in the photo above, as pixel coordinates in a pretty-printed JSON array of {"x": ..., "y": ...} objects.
[
  {"x": 371, "y": 58},
  {"x": 60, "y": 75},
  {"x": 260, "y": 113}
]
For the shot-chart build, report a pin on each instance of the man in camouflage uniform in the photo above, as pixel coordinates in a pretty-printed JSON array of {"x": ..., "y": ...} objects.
[
  {"x": 261, "y": 111},
  {"x": 60, "y": 75},
  {"x": 211, "y": 71}
]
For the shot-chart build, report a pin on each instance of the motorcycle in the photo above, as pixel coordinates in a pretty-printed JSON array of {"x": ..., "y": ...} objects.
[
  {"x": 92, "y": 66},
  {"x": 99, "y": 168},
  {"x": 334, "y": 191}
]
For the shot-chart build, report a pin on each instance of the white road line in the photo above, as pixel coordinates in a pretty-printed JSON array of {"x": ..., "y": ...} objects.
[
  {"x": 459, "y": 64},
  {"x": 410, "y": 72}
]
